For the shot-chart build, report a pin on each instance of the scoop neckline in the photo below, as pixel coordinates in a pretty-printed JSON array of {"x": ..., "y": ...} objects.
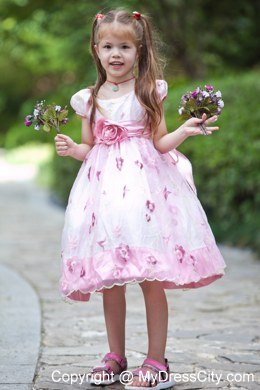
[{"x": 117, "y": 98}]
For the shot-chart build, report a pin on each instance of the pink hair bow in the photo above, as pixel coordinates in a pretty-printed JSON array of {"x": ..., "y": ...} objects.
[
  {"x": 137, "y": 15},
  {"x": 99, "y": 16}
]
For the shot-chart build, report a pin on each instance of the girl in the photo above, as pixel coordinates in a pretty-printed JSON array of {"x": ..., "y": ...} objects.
[{"x": 133, "y": 215}]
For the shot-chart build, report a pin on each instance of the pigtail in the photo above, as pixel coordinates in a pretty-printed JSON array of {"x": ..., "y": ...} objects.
[
  {"x": 149, "y": 70},
  {"x": 101, "y": 74}
]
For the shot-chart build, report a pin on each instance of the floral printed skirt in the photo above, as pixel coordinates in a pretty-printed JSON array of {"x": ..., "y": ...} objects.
[{"x": 133, "y": 215}]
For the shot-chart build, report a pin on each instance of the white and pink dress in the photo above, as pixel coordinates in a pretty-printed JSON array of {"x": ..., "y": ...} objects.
[{"x": 133, "y": 213}]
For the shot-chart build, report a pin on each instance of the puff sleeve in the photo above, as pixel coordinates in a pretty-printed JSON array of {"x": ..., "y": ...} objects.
[
  {"x": 162, "y": 89},
  {"x": 80, "y": 102}
]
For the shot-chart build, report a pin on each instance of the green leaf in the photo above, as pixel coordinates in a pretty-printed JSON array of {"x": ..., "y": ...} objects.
[
  {"x": 46, "y": 128},
  {"x": 63, "y": 115}
]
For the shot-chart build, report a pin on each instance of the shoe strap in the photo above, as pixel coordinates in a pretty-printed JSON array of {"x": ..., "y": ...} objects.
[
  {"x": 116, "y": 358},
  {"x": 155, "y": 365},
  {"x": 106, "y": 368}
]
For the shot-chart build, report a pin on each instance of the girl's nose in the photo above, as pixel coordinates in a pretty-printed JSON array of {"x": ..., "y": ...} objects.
[{"x": 116, "y": 52}]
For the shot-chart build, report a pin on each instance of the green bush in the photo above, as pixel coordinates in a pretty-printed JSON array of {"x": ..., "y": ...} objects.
[{"x": 226, "y": 164}]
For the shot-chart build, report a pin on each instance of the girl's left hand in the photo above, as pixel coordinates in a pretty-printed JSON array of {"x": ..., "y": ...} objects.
[{"x": 191, "y": 126}]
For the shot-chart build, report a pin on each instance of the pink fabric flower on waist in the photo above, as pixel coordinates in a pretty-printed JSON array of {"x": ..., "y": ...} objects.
[{"x": 109, "y": 133}]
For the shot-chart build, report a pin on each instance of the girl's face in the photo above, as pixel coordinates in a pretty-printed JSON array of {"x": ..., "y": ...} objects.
[{"x": 117, "y": 56}]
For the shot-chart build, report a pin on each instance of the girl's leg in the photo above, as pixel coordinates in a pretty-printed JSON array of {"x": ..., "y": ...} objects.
[
  {"x": 114, "y": 305},
  {"x": 157, "y": 322}
]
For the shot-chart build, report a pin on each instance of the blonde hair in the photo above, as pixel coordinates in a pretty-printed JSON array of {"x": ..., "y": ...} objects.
[{"x": 150, "y": 65}]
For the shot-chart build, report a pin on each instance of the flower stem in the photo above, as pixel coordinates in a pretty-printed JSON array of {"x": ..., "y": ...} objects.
[
  {"x": 201, "y": 126},
  {"x": 203, "y": 129}
]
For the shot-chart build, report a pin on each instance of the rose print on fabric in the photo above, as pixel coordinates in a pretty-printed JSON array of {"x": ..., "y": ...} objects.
[
  {"x": 151, "y": 260},
  {"x": 122, "y": 252},
  {"x": 191, "y": 260},
  {"x": 148, "y": 217},
  {"x": 89, "y": 170},
  {"x": 101, "y": 243},
  {"x": 117, "y": 272},
  {"x": 150, "y": 205},
  {"x": 119, "y": 163},
  {"x": 125, "y": 189},
  {"x": 92, "y": 222},
  {"x": 74, "y": 270},
  {"x": 180, "y": 253},
  {"x": 166, "y": 193},
  {"x": 107, "y": 132},
  {"x": 139, "y": 164},
  {"x": 98, "y": 174}
]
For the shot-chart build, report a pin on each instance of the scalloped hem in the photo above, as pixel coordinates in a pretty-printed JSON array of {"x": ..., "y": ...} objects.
[{"x": 80, "y": 296}]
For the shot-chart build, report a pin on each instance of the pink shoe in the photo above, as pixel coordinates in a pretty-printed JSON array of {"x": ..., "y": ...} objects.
[
  {"x": 158, "y": 380},
  {"x": 108, "y": 376}
]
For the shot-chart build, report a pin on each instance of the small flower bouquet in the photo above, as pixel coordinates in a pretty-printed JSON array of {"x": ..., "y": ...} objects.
[
  {"x": 48, "y": 116},
  {"x": 200, "y": 101}
]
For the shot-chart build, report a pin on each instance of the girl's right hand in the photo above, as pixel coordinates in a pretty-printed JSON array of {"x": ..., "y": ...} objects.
[{"x": 64, "y": 145}]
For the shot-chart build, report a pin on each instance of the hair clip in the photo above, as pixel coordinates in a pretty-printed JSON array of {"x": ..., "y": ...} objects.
[
  {"x": 99, "y": 16},
  {"x": 137, "y": 15}
]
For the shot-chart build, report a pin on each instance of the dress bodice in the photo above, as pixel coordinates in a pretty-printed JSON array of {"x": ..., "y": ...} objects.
[{"x": 124, "y": 111}]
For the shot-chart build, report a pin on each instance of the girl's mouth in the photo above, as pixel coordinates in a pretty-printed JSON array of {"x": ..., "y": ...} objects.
[{"x": 116, "y": 65}]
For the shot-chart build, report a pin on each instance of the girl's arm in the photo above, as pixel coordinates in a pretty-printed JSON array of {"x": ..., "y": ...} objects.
[
  {"x": 65, "y": 146},
  {"x": 164, "y": 141}
]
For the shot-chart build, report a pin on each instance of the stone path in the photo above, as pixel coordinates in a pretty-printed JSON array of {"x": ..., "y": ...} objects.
[{"x": 213, "y": 331}]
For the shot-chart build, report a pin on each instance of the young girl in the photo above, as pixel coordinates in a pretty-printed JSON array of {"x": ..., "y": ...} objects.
[{"x": 133, "y": 215}]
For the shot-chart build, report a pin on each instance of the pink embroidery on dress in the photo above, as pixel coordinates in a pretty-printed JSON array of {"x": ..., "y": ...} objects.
[
  {"x": 119, "y": 162},
  {"x": 180, "y": 252},
  {"x": 101, "y": 243},
  {"x": 74, "y": 270},
  {"x": 124, "y": 190},
  {"x": 166, "y": 192},
  {"x": 92, "y": 222},
  {"x": 150, "y": 205},
  {"x": 151, "y": 260},
  {"x": 116, "y": 272},
  {"x": 123, "y": 252},
  {"x": 89, "y": 170},
  {"x": 148, "y": 217},
  {"x": 192, "y": 260},
  {"x": 98, "y": 174},
  {"x": 139, "y": 164}
]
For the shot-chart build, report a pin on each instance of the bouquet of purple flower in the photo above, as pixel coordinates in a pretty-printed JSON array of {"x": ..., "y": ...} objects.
[
  {"x": 47, "y": 117},
  {"x": 200, "y": 101}
]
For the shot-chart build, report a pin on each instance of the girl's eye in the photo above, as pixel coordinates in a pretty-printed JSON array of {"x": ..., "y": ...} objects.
[
  {"x": 125, "y": 47},
  {"x": 107, "y": 46}
]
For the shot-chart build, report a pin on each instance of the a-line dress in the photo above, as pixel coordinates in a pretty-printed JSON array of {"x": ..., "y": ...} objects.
[{"x": 133, "y": 213}]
